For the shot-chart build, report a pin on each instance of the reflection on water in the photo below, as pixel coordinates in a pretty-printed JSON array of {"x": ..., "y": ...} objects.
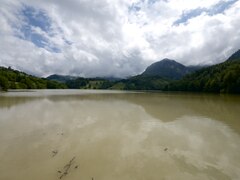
[{"x": 112, "y": 135}]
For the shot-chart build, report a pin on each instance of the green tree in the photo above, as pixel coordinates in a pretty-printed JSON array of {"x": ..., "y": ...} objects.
[{"x": 3, "y": 83}]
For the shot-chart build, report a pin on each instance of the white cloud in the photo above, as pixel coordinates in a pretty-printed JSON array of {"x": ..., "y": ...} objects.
[{"x": 115, "y": 38}]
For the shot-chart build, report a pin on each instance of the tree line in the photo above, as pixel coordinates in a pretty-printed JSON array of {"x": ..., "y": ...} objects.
[
  {"x": 220, "y": 78},
  {"x": 12, "y": 79}
]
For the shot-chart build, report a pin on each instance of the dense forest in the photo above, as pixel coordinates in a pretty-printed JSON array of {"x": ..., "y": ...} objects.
[
  {"x": 12, "y": 79},
  {"x": 142, "y": 83},
  {"x": 89, "y": 83},
  {"x": 224, "y": 78}
]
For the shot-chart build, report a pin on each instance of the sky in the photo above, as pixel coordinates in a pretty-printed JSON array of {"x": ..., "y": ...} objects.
[{"x": 115, "y": 38}]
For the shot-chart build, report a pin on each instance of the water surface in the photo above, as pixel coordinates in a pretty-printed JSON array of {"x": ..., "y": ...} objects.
[{"x": 117, "y": 135}]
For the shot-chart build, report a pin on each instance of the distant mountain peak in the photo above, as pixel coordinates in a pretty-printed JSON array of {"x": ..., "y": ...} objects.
[
  {"x": 166, "y": 59},
  {"x": 167, "y": 68},
  {"x": 234, "y": 56}
]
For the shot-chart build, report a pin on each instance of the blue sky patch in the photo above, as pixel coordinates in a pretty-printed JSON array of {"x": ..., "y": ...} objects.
[
  {"x": 36, "y": 18},
  {"x": 216, "y": 9},
  {"x": 189, "y": 15},
  {"x": 221, "y": 7},
  {"x": 134, "y": 8},
  {"x": 152, "y": 1}
]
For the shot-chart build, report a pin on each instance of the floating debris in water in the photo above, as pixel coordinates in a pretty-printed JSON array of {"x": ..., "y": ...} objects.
[
  {"x": 54, "y": 153},
  {"x": 60, "y": 133},
  {"x": 76, "y": 167},
  {"x": 165, "y": 149},
  {"x": 66, "y": 168}
]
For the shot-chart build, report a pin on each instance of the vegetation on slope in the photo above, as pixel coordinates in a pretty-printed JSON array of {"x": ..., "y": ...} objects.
[
  {"x": 13, "y": 79},
  {"x": 170, "y": 69},
  {"x": 142, "y": 83},
  {"x": 224, "y": 78},
  {"x": 89, "y": 83},
  {"x": 61, "y": 78}
]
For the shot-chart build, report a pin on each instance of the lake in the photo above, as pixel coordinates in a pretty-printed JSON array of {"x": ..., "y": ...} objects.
[{"x": 118, "y": 135}]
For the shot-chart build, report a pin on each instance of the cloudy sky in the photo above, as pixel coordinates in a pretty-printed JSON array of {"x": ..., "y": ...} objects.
[{"x": 115, "y": 37}]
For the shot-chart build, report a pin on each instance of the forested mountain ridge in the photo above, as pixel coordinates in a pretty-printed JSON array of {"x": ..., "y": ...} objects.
[
  {"x": 170, "y": 69},
  {"x": 220, "y": 78},
  {"x": 235, "y": 56},
  {"x": 142, "y": 83},
  {"x": 61, "y": 78},
  {"x": 13, "y": 79}
]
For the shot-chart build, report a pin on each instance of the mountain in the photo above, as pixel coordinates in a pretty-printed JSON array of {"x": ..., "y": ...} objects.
[
  {"x": 156, "y": 77},
  {"x": 13, "y": 79},
  {"x": 141, "y": 83},
  {"x": 66, "y": 78},
  {"x": 170, "y": 69},
  {"x": 112, "y": 79},
  {"x": 223, "y": 77},
  {"x": 74, "y": 82},
  {"x": 61, "y": 78},
  {"x": 235, "y": 56}
]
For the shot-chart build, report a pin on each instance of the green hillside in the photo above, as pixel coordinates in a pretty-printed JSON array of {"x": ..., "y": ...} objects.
[
  {"x": 169, "y": 69},
  {"x": 88, "y": 83},
  {"x": 142, "y": 83},
  {"x": 13, "y": 79},
  {"x": 224, "y": 78},
  {"x": 61, "y": 78}
]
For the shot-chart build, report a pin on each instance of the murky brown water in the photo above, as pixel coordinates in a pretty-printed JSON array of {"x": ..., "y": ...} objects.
[{"x": 111, "y": 135}]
